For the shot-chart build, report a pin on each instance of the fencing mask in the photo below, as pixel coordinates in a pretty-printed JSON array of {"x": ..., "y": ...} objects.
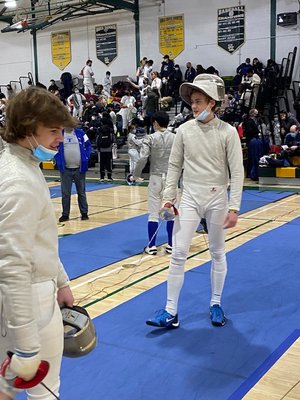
[{"x": 79, "y": 332}]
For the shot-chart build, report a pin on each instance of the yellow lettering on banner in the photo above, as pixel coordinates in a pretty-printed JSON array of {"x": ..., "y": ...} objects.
[
  {"x": 171, "y": 35},
  {"x": 61, "y": 49}
]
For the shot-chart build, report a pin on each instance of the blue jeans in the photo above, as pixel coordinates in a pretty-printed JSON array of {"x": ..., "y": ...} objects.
[{"x": 69, "y": 176}]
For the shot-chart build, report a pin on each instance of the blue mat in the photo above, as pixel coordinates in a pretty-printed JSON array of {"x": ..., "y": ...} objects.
[
  {"x": 93, "y": 249},
  {"x": 197, "y": 361},
  {"x": 253, "y": 199},
  {"x": 55, "y": 191}
]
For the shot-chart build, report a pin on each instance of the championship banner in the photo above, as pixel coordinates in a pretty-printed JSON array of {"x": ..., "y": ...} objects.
[
  {"x": 231, "y": 28},
  {"x": 106, "y": 43},
  {"x": 171, "y": 35},
  {"x": 61, "y": 49}
]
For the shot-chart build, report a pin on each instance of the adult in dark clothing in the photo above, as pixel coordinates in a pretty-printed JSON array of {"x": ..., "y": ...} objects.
[
  {"x": 105, "y": 140},
  {"x": 244, "y": 68},
  {"x": 150, "y": 107},
  {"x": 53, "y": 86},
  {"x": 200, "y": 69},
  {"x": 166, "y": 74},
  {"x": 190, "y": 73},
  {"x": 67, "y": 81},
  {"x": 189, "y": 76},
  {"x": 90, "y": 109},
  {"x": 257, "y": 67},
  {"x": 286, "y": 121},
  {"x": 93, "y": 127},
  {"x": 177, "y": 80},
  {"x": 254, "y": 144}
]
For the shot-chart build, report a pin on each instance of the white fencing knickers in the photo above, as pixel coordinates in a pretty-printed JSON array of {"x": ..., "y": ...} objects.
[
  {"x": 134, "y": 155},
  {"x": 155, "y": 193},
  {"x": 51, "y": 333},
  {"x": 213, "y": 206}
]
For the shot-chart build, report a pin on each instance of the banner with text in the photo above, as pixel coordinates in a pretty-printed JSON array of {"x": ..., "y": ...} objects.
[
  {"x": 171, "y": 35},
  {"x": 106, "y": 43},
  {"x": 231, "y": 28},
  {"x": 61, "y": 49}
]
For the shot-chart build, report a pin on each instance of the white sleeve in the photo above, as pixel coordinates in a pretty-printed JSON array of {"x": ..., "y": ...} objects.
[{"x": 175, "y": 167}]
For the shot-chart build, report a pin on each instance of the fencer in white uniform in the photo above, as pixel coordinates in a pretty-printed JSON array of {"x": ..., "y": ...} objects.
[
  {"x": 209, "y": 152},
  {"x": 157, "y": 146},
  {"x": 134, "y": 144},
  {"x": 33, "y": 281}
]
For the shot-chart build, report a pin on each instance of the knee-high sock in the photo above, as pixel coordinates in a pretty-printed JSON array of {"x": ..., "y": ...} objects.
[
  {"x": 175, "y": 282},
  {"x": 170, "y": 225},
  {"x": 217, "y": 274},
  {"x": 152, "y": 232}
]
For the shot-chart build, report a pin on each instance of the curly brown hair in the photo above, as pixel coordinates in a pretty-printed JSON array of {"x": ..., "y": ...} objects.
[{"x": 30, "y": 108}]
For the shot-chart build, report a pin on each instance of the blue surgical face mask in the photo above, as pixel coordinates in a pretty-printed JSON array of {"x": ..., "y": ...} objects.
[
  {"x": 41, "y": 152},
  {"x": 203, "y": 115}
]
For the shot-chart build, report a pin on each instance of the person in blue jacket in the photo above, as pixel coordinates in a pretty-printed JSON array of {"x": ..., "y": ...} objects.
[{"x": 72, "y": 162}]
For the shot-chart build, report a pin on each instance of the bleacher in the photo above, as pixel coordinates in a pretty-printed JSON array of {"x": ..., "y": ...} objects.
[{"x": 286, "y": 176}]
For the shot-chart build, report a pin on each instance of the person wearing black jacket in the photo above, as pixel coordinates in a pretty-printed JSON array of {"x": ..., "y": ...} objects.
[
  {"x": 254, "y": 144},
  {"x": 105, "y": 141}
]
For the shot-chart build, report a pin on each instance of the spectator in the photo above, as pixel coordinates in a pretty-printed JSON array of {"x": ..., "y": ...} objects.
[
  {"x": 105, "y": 141},
  {"x": 286, "y": 121},
  {"x": 88, "y": 79},
  {"x": 254, "y": 144},
  {"x": 177, "y": 80},
  {"x": 53, "y": 88},
  {"x": 72, "y": 161},
  {"x": 75, "y": 103},
  {"x": 107, "y": 83},
  {"x": 257, "y": 67},
  {"x": 166, "y": 74},
  {"x": 150, "y": 107}
]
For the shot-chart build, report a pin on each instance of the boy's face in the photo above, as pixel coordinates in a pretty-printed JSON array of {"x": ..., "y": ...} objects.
[
  {"x": 199, "y": 103},
  {"x": 49, "y": 137}
]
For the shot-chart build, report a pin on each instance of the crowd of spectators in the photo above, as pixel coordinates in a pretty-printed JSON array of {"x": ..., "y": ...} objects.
[{"x": 152, "y": 90}]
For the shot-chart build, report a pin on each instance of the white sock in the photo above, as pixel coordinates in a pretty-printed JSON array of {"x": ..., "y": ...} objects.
[
  {"x": 218, "y": 274},
  {"x": 175, "y": 282}
]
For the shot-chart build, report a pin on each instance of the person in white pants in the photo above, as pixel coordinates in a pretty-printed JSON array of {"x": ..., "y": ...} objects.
[
  {"x": 33, "y": 282},
  {"x": 75, "y": 103},
  {"x": 88, "y": 79},
  {"x": 208, "y": 150},
  {"x": 134, "y": 144},
  {"x": 157, "y": 146}
]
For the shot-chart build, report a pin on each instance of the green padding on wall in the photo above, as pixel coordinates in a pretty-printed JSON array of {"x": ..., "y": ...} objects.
[
  {"x": 297, "y": 172},
  {"x": 267, "y": 171}
]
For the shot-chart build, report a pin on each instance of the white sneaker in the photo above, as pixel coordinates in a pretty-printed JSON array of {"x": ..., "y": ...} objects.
[
  {"x": 151, "y": 250},
  {"x": 168, "y": 249}
]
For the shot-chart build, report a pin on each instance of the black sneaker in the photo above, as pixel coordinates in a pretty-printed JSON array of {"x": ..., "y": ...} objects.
[
  {"x": 84, "y": 217},
  {"x": 63, "y": 218}
]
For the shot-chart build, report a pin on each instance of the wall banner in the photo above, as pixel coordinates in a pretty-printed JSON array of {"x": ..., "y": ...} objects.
[
  {"x": 61, "y": 49},
  {"x": 106, "y": 43},
  {"x": 231, "y": 28},
  {"x": 171, "y": 35}
]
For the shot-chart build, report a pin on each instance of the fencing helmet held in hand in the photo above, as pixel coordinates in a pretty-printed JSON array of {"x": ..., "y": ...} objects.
[
  {"x": 212, "y": 85},
  {"x": 79, "y": 332}
]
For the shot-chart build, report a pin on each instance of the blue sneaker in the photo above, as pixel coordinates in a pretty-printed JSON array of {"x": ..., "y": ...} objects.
[
  {"x": 217, "y": 316},
  {"x": 163, "y": 319}
]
